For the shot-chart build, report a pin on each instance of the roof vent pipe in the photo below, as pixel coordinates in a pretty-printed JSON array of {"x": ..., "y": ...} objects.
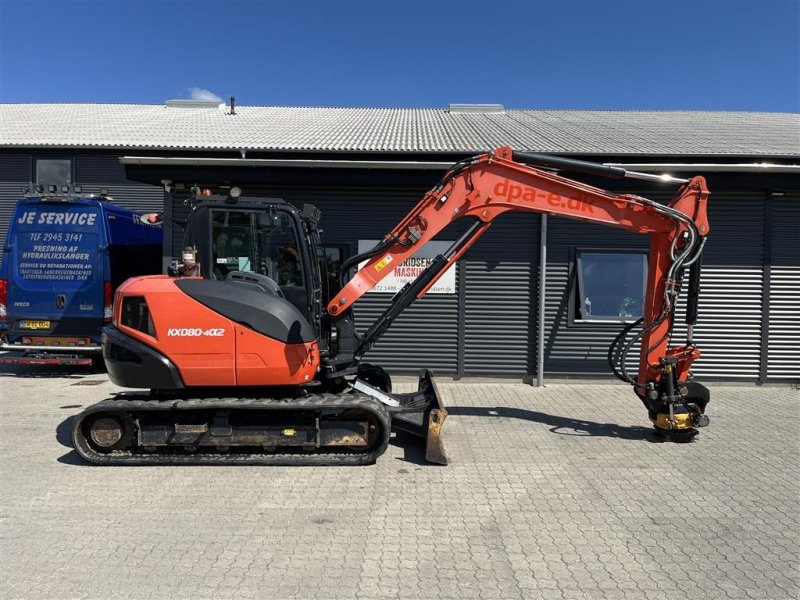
[{"x": 233, "y": 105}]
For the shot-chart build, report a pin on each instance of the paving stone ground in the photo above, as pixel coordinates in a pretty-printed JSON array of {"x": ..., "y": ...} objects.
[{"x": 561, "y": 493}]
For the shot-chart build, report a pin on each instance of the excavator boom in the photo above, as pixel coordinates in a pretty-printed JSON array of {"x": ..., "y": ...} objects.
[{"x": 488, "y": 185}]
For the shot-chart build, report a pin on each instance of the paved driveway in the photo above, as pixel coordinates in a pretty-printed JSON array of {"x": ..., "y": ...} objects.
[{"x": 560, "y": 492}]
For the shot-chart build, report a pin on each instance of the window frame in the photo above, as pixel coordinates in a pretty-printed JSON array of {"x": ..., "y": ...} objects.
[
  {"x": 576, "y": 284},
  {"x": 252, "y": 211},
  {"x": 38, "y": 159}
]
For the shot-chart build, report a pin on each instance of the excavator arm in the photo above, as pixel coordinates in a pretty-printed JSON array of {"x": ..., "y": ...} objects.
[{"x": 485, "y": 186}]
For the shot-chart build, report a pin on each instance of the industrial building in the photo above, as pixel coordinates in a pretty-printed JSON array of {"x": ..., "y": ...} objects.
[{"x": 534, "y": 298}]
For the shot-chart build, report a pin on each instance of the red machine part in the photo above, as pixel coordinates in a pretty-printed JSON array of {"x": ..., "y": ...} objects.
[
  {"x": 47, "y": 359},
  {"x": 209, "y": 349}
]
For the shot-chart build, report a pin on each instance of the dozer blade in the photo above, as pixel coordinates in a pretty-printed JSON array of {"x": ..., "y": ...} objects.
[{"x": 427, "y": 420}]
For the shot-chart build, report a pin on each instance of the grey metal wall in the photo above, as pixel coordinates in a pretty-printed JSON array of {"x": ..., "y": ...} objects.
[
  {"x": 730, "y": 311},
  {"x": 501, "y": 297},
  {"x": 489, "y": 326},
  {"x": 426, "y": 333},
  {"x": 729, "y": 328},
  {"x": 750, "y": 301},
  {"x": 15, "y": 172},
  {"x": 92, "y": 171},
  {"x": 783, "y": 355}
]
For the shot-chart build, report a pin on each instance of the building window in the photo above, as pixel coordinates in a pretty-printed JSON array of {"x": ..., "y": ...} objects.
[
  {"x": 50, "y": 171},
  {"x": 611, "y": 284}
]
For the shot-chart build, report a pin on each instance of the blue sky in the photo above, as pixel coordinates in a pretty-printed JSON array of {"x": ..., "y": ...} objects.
[{"x": 718, "y": 55}]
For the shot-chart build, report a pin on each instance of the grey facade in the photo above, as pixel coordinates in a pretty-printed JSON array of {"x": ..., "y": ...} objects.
[
  {"x": 749, "y": 327},
  {"x": 92, "y": 170}
]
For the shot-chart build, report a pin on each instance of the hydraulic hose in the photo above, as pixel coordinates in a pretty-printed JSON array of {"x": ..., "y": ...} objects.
[
  {"x": 354, "y": 260},
  {"x": 613, "y": 348},
  {"x": 535, "y": 159}
]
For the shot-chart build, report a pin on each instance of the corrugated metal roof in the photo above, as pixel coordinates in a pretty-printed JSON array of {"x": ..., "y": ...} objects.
[{"x": 144, "y": 126}]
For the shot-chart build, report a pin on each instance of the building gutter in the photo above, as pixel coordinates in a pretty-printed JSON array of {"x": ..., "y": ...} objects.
[{"x": 256, "y": 163}]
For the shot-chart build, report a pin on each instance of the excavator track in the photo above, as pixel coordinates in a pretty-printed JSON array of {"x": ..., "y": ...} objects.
[{"x": 314, "y": 430}]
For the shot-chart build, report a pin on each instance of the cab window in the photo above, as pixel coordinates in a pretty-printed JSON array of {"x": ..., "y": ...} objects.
[{"x": 258, "y": 242}]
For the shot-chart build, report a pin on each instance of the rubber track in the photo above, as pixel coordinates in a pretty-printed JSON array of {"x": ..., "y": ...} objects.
[{"x": 127, "y": 403}]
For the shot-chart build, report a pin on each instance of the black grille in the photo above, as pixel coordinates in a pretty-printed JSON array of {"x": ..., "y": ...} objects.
[
  {"x": 117, "y": 352},
  {"x": 136, "y": 315}
]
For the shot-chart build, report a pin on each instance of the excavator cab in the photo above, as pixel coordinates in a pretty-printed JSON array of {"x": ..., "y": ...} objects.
[{"x": 265, "y": 237}]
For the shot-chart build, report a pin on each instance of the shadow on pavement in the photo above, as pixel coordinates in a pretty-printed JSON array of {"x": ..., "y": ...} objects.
[
  {"x": 64, "y": 432},
  {"x": 50, "y": 371},
  {"x": 561, "y": 425},
  {"x": 64, "y": 437},
  {"x": 72, "y": 458},
  {"x": 413, "y": 448}
]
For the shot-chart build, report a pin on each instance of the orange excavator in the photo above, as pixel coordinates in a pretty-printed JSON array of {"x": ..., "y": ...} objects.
[{"x": 243, "y": 362}]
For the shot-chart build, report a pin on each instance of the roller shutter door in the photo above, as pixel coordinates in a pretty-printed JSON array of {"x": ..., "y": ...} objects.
[
  {"x": 501, "y": 297},
  {"x": 728, "y": 330},
  {"x": 783, "y": 357},
  {"x": 426, "y": 334},
  {"x": 499, "y": 302}
]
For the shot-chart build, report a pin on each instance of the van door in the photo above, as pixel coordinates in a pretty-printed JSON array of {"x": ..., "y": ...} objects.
[{"x": 56, "y": 270}]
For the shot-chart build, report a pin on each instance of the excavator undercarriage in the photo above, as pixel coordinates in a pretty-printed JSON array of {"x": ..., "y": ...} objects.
[{"x": 346, "y": 428}]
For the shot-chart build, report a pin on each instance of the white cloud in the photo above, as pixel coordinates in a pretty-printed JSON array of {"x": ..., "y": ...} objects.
[{"x": 196, "y": 93}]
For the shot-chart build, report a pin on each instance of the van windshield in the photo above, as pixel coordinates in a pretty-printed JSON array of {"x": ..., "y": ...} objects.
[{"x": 56, "y": 243}]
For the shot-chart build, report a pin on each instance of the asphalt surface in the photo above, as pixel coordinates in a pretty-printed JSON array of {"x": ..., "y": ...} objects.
[{"x": 561, "y": 492}]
